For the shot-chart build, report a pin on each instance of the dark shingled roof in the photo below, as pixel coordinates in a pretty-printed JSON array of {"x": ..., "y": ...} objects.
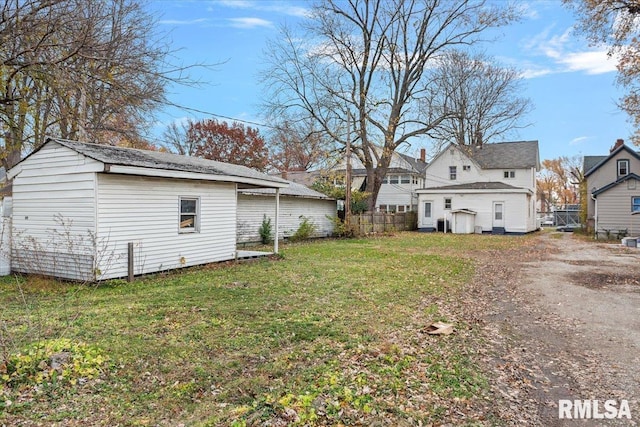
[
  {"x": 588, "y": 162},
  {"x": 159, "y": 160},
  {"x": 417, "y": 164},
  {"x": 294, "y": 189},
  {"x": 505, "y": 155},
  {"x": 477, "y": 186}
]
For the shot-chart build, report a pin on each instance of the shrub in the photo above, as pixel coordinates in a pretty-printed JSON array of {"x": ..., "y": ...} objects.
[
  {"x": 266, "y": 230},
  {"x": 305, "y": 231}
]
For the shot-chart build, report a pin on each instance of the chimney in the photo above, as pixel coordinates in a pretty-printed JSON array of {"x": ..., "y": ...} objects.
[
  {"x": 619, "y": 143},
  {"x": 423, "y": 155}
]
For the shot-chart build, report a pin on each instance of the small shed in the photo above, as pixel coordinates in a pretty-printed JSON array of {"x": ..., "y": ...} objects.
[
  {"x": 85, "y": 211},
  {"x": 297, "y": 202},
  {"x": 463, "y": 221}
]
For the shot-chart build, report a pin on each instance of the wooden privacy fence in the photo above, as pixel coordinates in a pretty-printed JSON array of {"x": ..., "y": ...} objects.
[{"x": 380, "y": 222}]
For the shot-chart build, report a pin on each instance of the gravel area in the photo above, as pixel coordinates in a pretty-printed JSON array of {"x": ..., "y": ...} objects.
[{"x": 560, "y": 320}]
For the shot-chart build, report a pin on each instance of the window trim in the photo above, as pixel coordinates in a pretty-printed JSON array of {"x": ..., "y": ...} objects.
[
  {"x": 196, "y": 215},
  {"x": 635, "y": 204},
  {"x": 448, "y": 201},
  {"x": 622, "y": 162}
]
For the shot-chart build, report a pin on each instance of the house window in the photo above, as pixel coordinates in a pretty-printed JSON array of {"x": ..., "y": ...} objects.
[
  {"x": 189, "y": 215},
  {"x": 509, "y": 174},
  {"x": 394, "y": 179},
  {"x": 623, "y": 167},
  {"x": 385, "y": 180},
  {"x": 635, "y": 204},
  {"x": 453, "y": 173},
  {"x": 447, "y": 203},
  {"x": 400, "y": 208},
  {"x": 414, "y": 180},
  {"x": 405, "y": 179},
  {"x": 466, "y": 167},
  {"x": 383, "y": 208}
]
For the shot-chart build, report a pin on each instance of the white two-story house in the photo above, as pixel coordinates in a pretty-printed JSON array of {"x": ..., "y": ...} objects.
[{"x": 487, "y": 188}]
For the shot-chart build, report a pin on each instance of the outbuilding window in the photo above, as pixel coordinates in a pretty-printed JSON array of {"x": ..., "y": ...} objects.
[{"x": 189, "y": 215}]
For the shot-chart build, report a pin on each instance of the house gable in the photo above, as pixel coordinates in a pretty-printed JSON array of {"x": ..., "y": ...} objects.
[{"x": 513, "y": 163}]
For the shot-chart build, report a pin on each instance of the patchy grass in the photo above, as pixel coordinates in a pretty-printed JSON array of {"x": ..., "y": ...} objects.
[{"x": 333, "y": 333}]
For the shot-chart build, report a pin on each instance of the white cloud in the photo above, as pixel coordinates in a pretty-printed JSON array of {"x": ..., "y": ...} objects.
[
  {"x": 579, "y": 140},
  {"x": 282, "y": 7},
  {"x": 182, "y": 22},
  {"x": 564, "y": 55},
  {"x": 250, "y": 23}
]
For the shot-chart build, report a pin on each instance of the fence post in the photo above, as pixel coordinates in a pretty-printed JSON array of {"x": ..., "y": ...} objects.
[{"x": 130, "y": 261}]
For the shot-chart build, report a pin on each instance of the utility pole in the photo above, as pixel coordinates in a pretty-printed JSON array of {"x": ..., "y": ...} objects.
[{"x": 347, "y": 178}]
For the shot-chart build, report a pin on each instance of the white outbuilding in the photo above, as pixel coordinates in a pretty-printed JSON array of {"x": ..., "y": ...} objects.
[
  {"x": 85, "y": 211},
  {"x": 298, "y": 203}
]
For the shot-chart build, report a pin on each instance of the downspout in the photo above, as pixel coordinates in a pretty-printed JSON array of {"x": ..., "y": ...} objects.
[
  {"x": 275, "y": 241},
  {"x": 595, "y": 217}
]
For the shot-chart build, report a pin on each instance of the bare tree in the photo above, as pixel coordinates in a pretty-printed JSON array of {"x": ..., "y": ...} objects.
[
  {"x": 368, "y": 63},
  {"x": 614, "y": 25},
  {"x": 176, "y": 141},
  {"x": 79, "y": 69},
  {"x": 298, "y": 146},
  {"x": 483, "y": 98}
]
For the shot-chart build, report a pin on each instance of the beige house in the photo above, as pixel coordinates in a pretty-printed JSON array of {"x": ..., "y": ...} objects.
[{"x": 613, "y": 186}]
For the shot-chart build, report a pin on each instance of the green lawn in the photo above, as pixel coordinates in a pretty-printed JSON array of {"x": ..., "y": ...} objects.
[{"x": 332, "y": 333}]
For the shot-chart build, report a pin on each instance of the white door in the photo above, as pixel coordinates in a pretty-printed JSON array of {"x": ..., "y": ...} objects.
[
  {"x": 498, "y": 214},
  {"x": 427, "y": 214}
]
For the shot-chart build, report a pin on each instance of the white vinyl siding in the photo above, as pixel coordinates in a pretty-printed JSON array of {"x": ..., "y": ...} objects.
[
  {"x": 55, "y": 190},
  {"x": 145, "y": 211},
  {"x": 515, "y": 208},
  {"x": 252, "y": 208}
]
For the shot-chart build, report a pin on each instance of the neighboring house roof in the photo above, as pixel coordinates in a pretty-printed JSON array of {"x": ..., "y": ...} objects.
[
  {"x": 588, "y": 162},
  {"x": 605, "y": 159},
  {"x": 300, "y": 177},
  {"x": 616, "y": 182},
  {"x": 417, "y": 164},
  {"x": 505, "y": 155},
  {"x": 146, "y": 159},
  {"x": 293, "y": 190},
  {"x": 363, "y": 172},
  {"x": 475, "y": 186}
]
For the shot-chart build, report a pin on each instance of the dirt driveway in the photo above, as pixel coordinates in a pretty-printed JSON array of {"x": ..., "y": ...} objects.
[{"x": 563, "y": 322}]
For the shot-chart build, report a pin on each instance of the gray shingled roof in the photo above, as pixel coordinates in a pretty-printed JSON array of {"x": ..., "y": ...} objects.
[
  {"x": 417, "y": 164},
  {"x": 477, "y": 186},
  {"x": 294, "y": 190},
  {"x": 159, "y": 160},
  {"x": 505, "y": 155},
  {"x": 588, "y": 162}
]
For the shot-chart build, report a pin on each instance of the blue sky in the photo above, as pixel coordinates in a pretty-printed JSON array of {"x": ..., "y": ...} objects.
[{"x": 571, "y": 84}]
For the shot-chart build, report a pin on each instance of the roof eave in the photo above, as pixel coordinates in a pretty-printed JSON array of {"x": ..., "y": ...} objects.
[{"x": 166, "y": 173}]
